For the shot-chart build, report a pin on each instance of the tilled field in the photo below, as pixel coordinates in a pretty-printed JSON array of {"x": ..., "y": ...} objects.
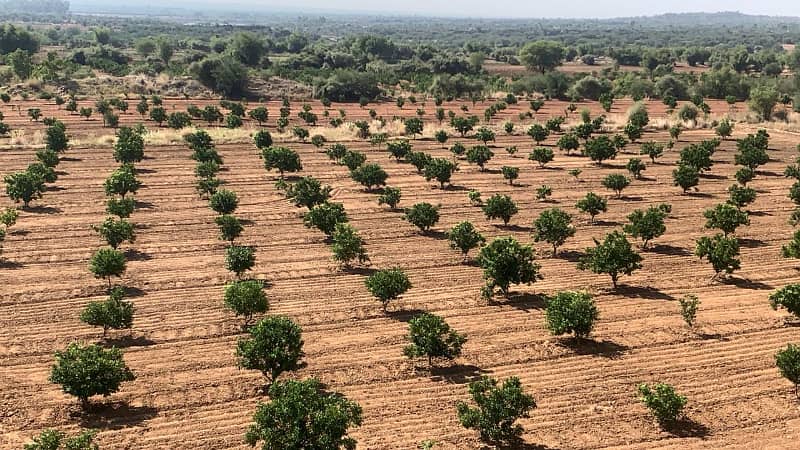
[{"x": 190, "y": 394}]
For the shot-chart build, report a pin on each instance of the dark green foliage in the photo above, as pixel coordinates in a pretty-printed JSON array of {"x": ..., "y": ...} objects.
[
  {"x": 458, "y": 149},
  {"x": 744, "y": 175},
  {"x": 122, "y": 182},
  {"x": 120, "y": 207},
  {"x": 538, "y": 133},
  {"x": 504, "y": 262},
  {"x": 614, "y": 256},
  {"x": 646, "y": 224},
  {"x": 51, "y": 439},
  {"x": 741, "y": 196},
  {"x": 399, "y": 149},
  {"x": 419, "y": 160},
  {"x": 115, "y": 231},
  {"x": 48, "y": 157},
  {"x": 224, "y": 201},
  {"x": 239, "y": 259},
  {"x": 568, "y": 142},
  {"x": 245, "y": 298},
  {"x": 388, "y": 284},
  {"x": 325, "y": 217},
  {"x": 300, "y": 415},
  {"x": 616, "y": 182},
  {"x": 792, "y": 249},
  {"x": 113, "y": 313},
  {"x": 696, "y": 156},
  {"x": 726, "y": 217},
  {"x": 86, "y": 371},
  {"x": 353, "y": 160},
  {"x": 686, "y": 177},
  {"x": 39, "y": 170},
  {"x": 635, "y": 166},
  {"x": 348, "y": 246},
  {"x": 282, "y": 159},
  {"x": 787, "y": 297},
  {"x": 56, "y": 139},
  {"x": 652, "y": 149},
  {"x": 275, "y": 345},
  {"x": 24, "y": 186},
  {"x": 542, "y": 155},
  {"x": 414, "y": 126},
  {"x": 553, "y": 226},
  {"x": 129, "y": 147},
  {"x": 510, "y": 173},
  {"x": 484, "y": 135},
  {"x": 431, "y": 336},
  {"x": 600, "y": 149},
  {"x": 423, "y": 215},
  {"x": 498, "y": 408},
  {"x": 390, "y": 196},
  {"x": 689, "y": 305},
  {"x": 788, "y": 362},
  {"x": 662, "y": 401},
  {"x": 308, "y": 192},
  {"x": 229, "y": 227},
  {"x": 206, "y": 169},
  {"x": 479, "y": 155},
  {"x": 571, "y": 312},
  {"x": 721, "y": 251},
  {"x": 440, "y": 169},
  {"x": 260, "y": 115},
  {"x": 369, "y": 175},
  {"x": 592, "y": 204},
  {"x": 107, "y": 263},
  {"x": 500, "y": 206},
  {"x": 465, "y": 237}
]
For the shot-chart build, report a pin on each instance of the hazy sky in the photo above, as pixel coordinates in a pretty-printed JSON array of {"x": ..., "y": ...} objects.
[{"x": 529, "y": 8}]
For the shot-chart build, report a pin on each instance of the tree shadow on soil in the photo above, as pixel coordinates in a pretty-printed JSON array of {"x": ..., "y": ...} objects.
[
  {"x": 10, "y": 265},
  {"x": 591, "y": 347},
  {"x": 365, "y": 271},
  {"x": 457, "y": 374},
  {"x": 436, "y": 234},
  {"x": 42, "y": 209},
  {"x": 570, "y": 255},
  {"x": 644, "y": 292},
  {"x": 131, "y": 291},
  {"x": 127, "y": 341},
  {"x": 747, "y": 284},
  {"x": 144, "y": 205},
  {"x": 711, "y": 176},
  {"x": 144, "y": 171},
  {"x": 752, "y": 243},
  {"x": 115, "y": 415},
  {"x": 606, "y": 223},
  {"x": 404, "y": 315},
  {"x": 70, "y": 159},
  {"x": 671, "y": 250},
  {"x": 699, "y": 194},
  {"x": 455, "y": 187},
  {"x": 521, "y": 228},
  {"x": 133, "y": 254},
  {"x": 687, "y": 428},
  {"x": 759, "y": 213},
  {"x": 525, "y": 302}
]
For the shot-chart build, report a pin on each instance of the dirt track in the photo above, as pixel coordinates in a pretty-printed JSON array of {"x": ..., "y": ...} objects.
[{"x": 190, "y": 394}]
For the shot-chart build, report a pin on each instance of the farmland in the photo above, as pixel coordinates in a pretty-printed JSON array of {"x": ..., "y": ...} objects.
[{"x": 190, "y": 393}]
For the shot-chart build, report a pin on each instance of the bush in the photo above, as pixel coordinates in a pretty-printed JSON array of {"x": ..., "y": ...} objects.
[
  {"x": 39, "y": 170},
  {"x": 431, "y": 336},
  {"x": 224, "y": 201},
  {"x": 8, "y": 217},
  {"x": 229, "y": 227},
  {"x": 86, "y": 371},
  {"x": 538, "y": 133},
  {"x": 741, "y": 196},
  {"x": 107, "y": 263},
  {"x": 275, "y": 345},
  {"x": 721, "y": 251},
  {"x": 635, "y": 166},
  {"x": 465, "y": 237},
  {"x": 262, "y": 139},
  {"x": 571, "y": 312},
  {"x": 129, "y": 147},
  {"x": 500, "y": 206},
  {"x": 301, "y": 415},
  {"x": 115, "y": 231},
  {"x": 600, "y": 149},
  {"x": 553, "y": 226},
  {"x": 369, "y": 175},
  {"x": 504, "y": 262},
  {"x": 325, "y": 217},
  {"x": 510, "y": 173},
  {"x": 390, "y": 196},
  {"x": 51, "y": 439},
  {"x": 239, "y": 259},
  {"x": 788, "y": 362},
  {"x": 399, "y": 149},
  {"x": 120, "y": 207},
  {"x": 662, "y": 401},
  {"x": 353, "y": 160},
  {"x": 419, "y": 160},
  {"x": 348, "y": 246},
  {"x": 498, "y": 408},
  {"x": 388, "y": 284},
  {"x": 614, "y": 256},
  {"x": 689, "y": 305},
  {"x": 592, "y": 204},
  {"x": 113, "y": 313},
  {"x": 423, "y": 215},
  {"x": 652, "y": 149}
]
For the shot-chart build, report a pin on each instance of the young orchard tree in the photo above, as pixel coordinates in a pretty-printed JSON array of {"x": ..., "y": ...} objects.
[
  {"x": 441, "y": 137},
  {"x": 458, "y": 150},
  {"x": 370, "y": 176},
  {"x": 498, "y": 408},
  {"x": 741, "y": 196},
  {"x": 721, "y": 251},
  {"x": 788, "y": 362},
  {"x": 570, "y": 312},
  {"x": 399, "y": 149},
  {"x": 465, "y": 237},
  {"x": 724, "y": 129},
  {"x": 308, "y": 192},
  {"x": 48, "y": 174},
  {"x": 787, "y": 297},
  {"x": 115, "y": 231},
  {"x": 48, "y": 158},
  {"x": 282, "y": 159},
  {"x": 504, "y": 262},
  {"x": 633, "y": 131},
  {"x": 387, "y": 285},
  {"x": 325, "y": 217},
  {"x": 510, "y": 174},
  {"x": 541, "y": 155},
  {"x": 543, "y": 192},
  {"x": 419, "y": 160},
  {"x": 646, "y": 224},
  {"x": 259, "y": 114},
  {"x": 696, "y": 156},
  {"x": 593, "y": 205},
  {"x": 600, "y": 149},
  {"x": 538, "y": 133},
  {"x": 653, "y": 150},
  {"x": 440, "y": 169},
  {"x": 239, "y": 259},
  {"x": 56, "y": 138},
  {"x": 300, "y": 415},
  {"x": 553, "y": 226},
  {"x": 429, "y": 335},
  {"x": 300, "y": 133},
  {"x": 686, "y": 177},
  {"x": 484, "y": 135},
  {"x": 635, "y": 166},
  {"x": 663, "y": 402},
  {"x": 113, "y": 313},
  {"x": 122, "y": 182},
  {"x": 750, "y": 156},
  {"x": 263, "y": 140},
  {"x": 224, "y": 202},
  {"x": 229, "y": 227},
  {"x": 689, "y": 305},
  {"x": 614, "y": 256},
  {"x": 336, "y": 152},
  {"x": 568, "y": 142},
  {"x": 107, "y": 263},
  {"x": 88, "y": 370},
  {"x": 479, "y": 155},
  {"x": 414, "y": 126},
  {"x": 8, "y": 217},
  {"x": 51, "y": 439},
  {"x": 24, "y": 186},
  {"x": 129, "y": 146},
  {"x": 120, "y": 207},
  {"x": 353, "y": 160},
  {"x": 275, "y": 345},
  {"x": 423, "y": 215},
  {"x": 616, "y": 182},
  {"x": 390, "y": 196},
  {"x": 348, "y": 246},
  {"x": 245, "y": 298},
  {"x": 792, "y": 249},
  {"x": 500, "y": 206},
  {"x": 726, "y": 218}
]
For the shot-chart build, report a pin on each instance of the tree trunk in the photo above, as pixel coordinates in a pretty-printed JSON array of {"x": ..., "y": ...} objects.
[{"x": 614, "y": 280}]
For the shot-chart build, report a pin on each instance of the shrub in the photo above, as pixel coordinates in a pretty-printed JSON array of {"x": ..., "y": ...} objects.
[
  {"x": 325, "y": 217},
  {"x": 614, "y": 256},
  {"x": 510, "y": 174},
  {"x": 568, "y": 142},
  {"x": 115, "y": 231},
  {"x": 239, "y": 259},
  {"x": 387, "y": 285},
  {"x": 741, "y": 196},
  {"x": 336, "y": 152},
  {"x": 500, "y": 206},
  {"x": 129, "y": 147},
  {"x": 440, "y": 169},
  {"x": 686, "y": 177},
  {"x": 88, "y": 370},
  {"x": 122, "y": 182},
  {"x": 635, "y": 166},
  {"x": 571, "y": 312},
  {"x": 479, "y": 155},
  {"x": 788, "y": 362},
  {"x": 8, "y": 217},
  {"x": 51, "y": 439},
  {"x": 484, "y": 135},
  {"x": 107, "y": 263},
  {"x": 465, "y": 237},
  {"x": 224, "y": 201},
  {"x": 787, "y": 297},
  {"x": 113, "y": 313},
  {"x": 390, "y": 196},
  {"x": 423, "y": 215},
  {"x": 592, "y": 204},
  {"x": 263, "y": 139},
  {"x": 178, "y": 120},
  {"x": 721, "y": 251},
  {"x": 538, "y": 133},
  {"x": 24, "y": 186},
  {"x": 600, "y": 149},
  {"x": 498, "y": 408},
  {"x": 689, "y": 305},
  {"x": 662, "y": 401},
  {"x": 301, "y": 415},
  {"x": 369, "y": 175},
  {"x": 353, "y": 160},
  {"x": 726, "y": 217},
  {"x": 348, "y": 246},
  {"x": 274, "y": 346},
  {"x": 308, "y": 192},
  {"x": 120, "y": 207},
  {"x": 553, "y": 226},
  {"x": 399, "y": 149},
  {"x": 504, "y": 262},
  {"x": 419, "y": 160},
  {"x": 744, "y": 175},
  {"x": 474, "y": 198},
  {"x": 245, "y": 298},
  {"x": 282, "y": 159},
  {"x": 56, "y": 138},
  {"x": 543, "y": 192},
  {"x": 458, "y": 149},
  {"x": 646, "y": 225},
  {"x": 616, "y": 182},
  {"x": 229, "y": 227},
  {"x": 542, "y": 155},
  {"x": 653, "y": 150},
  {"x": 431, "y": 336}
]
